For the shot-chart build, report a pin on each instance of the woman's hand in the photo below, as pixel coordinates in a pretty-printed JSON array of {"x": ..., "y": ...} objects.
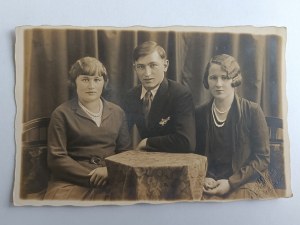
[
  {"x": 222, "y": 187},
  {"x": 142, "y": 145},
  {"x": 98, "y": 177},
  {"x": 209, "y": 183}
]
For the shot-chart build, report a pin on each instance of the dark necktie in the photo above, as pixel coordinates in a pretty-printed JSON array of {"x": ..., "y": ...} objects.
[{"x": 147, "y": 100}]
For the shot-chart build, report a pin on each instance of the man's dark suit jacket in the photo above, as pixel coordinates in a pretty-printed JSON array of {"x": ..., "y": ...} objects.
[{"x": 171, "y": 120}]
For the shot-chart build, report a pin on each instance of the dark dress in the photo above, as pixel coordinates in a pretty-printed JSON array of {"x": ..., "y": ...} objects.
[
  {"x": 246, "y": 154},
  {"x": 220, "y": 151}
]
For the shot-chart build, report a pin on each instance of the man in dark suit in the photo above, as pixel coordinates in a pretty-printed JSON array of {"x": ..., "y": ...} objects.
[{"x": 162, "y": 110}]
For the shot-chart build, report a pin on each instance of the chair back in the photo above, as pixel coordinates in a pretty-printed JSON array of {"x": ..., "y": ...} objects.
[
  {"x": 276, "y": 167},
  {"x": 275, "y": 129},
  {"x": 35, "y": 173}
]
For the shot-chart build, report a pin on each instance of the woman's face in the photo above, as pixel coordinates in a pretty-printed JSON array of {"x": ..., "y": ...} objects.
[
  {"x": 218, "y": 82},
  {"x": 89, "y": 88}
]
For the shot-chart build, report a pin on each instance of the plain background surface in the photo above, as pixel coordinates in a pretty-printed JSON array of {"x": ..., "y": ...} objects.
[{"x": 148, "y": 13}]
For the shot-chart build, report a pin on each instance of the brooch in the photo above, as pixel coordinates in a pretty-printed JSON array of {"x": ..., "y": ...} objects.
[{"x": 163, "y": 121}]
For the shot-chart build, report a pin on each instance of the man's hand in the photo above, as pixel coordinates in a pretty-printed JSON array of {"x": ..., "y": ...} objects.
[
  {"x": 98, "y": 177},
  {"x": 222, "y": 187},
  {"x": 142, "y": 145}
]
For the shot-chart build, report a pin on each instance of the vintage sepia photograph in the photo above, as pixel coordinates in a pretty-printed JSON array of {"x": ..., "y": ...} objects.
[{"x": 109, "y": 115}]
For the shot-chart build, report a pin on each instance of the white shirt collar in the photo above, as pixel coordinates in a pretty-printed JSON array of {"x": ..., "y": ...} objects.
[{"x": 153, "y": 91}]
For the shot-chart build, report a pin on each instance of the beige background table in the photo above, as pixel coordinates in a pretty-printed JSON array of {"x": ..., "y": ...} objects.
[{"x": 138, "y": 175}]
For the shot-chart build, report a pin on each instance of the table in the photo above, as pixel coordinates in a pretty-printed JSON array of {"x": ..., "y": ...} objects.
[{"x": 139, "y": 175}]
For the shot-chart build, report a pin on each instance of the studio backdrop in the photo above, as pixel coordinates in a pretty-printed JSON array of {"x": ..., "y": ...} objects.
[{"x": 49, "y": 54}]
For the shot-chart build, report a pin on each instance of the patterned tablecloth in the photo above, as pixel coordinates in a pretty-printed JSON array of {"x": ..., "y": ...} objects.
[{"x": 138, "y": 175}]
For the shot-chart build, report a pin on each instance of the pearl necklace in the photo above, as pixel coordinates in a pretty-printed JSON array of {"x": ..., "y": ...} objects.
[
  {"x": 219, "y": 111},
  {"x": 217, "y": 121},
  {"x": 96, "y": 117}
]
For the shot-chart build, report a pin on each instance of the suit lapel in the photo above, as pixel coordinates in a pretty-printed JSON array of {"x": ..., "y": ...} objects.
[
  {"x": 136, "y": 100},
  {"x": 159, "y": 101}
]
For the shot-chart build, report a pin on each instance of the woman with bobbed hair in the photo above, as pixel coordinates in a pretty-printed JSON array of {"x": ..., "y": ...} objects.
[
  {"x": 82, "y": 133},
  {"x": 233, "y": 134}
]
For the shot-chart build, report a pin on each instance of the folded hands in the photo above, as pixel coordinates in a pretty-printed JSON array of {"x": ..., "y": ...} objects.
[
  {"x": 98, "y": 177},
  {"x": 216, "y": 187}
]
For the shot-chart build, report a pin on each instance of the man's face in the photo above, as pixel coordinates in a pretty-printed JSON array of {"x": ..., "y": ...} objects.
[{"x": 151, "y": 69}]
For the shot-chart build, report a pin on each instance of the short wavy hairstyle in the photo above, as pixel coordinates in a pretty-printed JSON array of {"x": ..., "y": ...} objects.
[
  {"x": 89, "y": 66},
  {"x": 229, "y": 65},
  {"x": 147, "y": 48}
]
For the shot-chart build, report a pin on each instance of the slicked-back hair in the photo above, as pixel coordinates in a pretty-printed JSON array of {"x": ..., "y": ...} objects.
[{"x": 147, "y": 48}]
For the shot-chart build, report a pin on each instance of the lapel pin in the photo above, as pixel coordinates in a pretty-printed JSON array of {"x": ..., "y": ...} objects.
[{"x": 163, "y": 121}]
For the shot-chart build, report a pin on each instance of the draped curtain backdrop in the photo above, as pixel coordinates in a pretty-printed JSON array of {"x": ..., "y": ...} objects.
[{"x": 49, "y": 54}]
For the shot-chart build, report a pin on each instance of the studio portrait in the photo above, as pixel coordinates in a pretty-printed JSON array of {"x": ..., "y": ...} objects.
[{"x": 110, "y": 115}]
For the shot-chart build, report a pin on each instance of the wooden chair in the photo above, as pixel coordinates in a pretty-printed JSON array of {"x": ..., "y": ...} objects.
[
  {"x": 35, "y": 174},
  {"x": 276, "y": 167}
]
